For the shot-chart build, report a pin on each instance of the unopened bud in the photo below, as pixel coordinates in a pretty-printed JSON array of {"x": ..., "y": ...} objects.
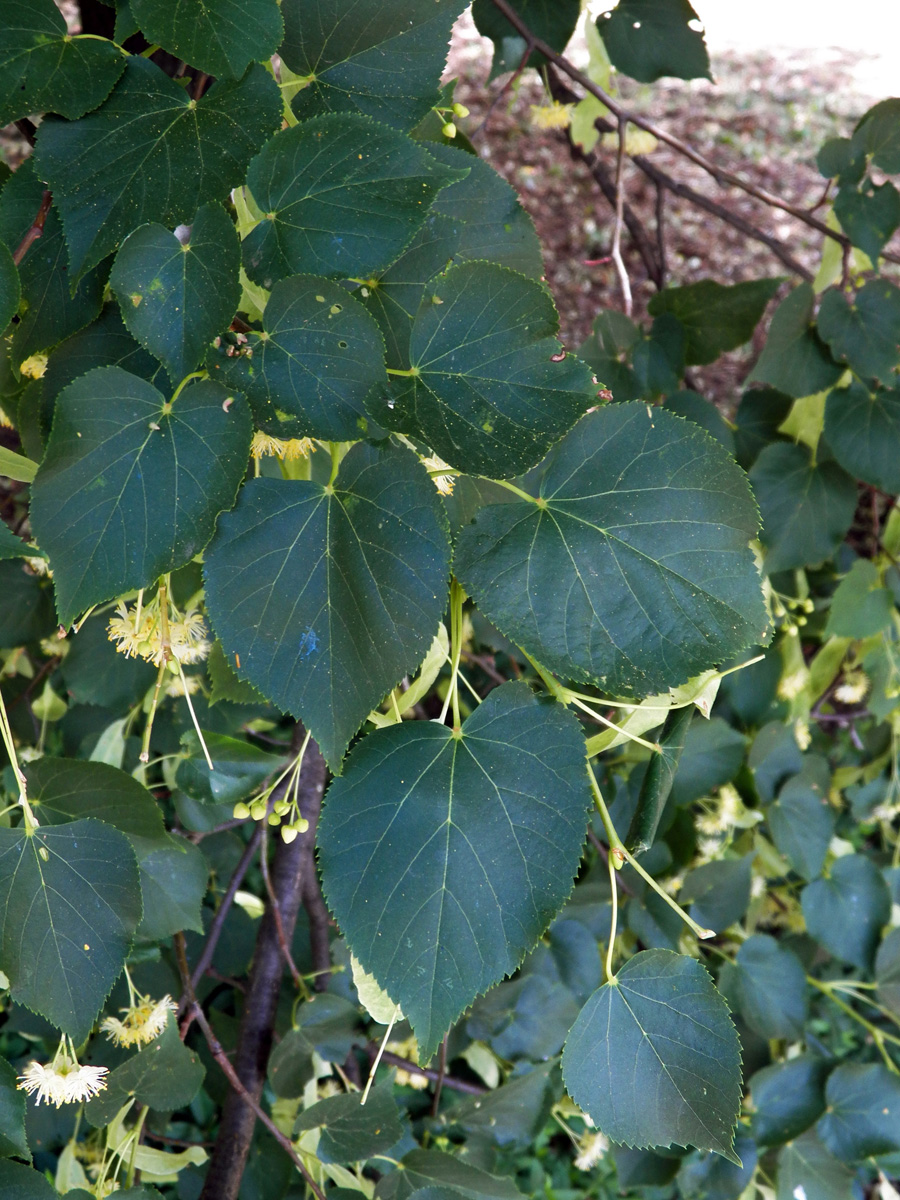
[
  {"x": 449, "y": 130},
  {"x": 240, "y": 812},
  {"x": 288, "y": 833}
]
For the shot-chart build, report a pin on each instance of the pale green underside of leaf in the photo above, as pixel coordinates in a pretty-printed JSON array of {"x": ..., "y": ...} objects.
[
  {"x": 636, "y": 573},
  {"x": 655, "y": 1059},
  {"x": 444, "y": 859},
  {"x": 327, "y": 600}
]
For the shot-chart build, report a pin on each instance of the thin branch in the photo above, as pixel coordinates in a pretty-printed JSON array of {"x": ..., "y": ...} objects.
[
  {"x": 616, "y": 252},
  {"x": 455, "y": 1085},
  {"x": 441, "y": 1075},
  {"x": 35, "y": 230},
  {"x": 661, "y": 233},
  {"x": 721, "y": 175},
  {"x": 636, "y": 230},
  {"x": 507, "y": 84}
]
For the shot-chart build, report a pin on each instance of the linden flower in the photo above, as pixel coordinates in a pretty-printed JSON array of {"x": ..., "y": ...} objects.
[
  {"x": 34, "y": 366},
  {"x": 140, "y": 636},
  {"x": 435, "y": 467},
  {"x": 143, "y": 1021},
  {"x": 551, "y": 116},
  {"x": 592, "y": 1147},
  {"x": 64, "y": 1080},
  {"x": 263, "y": 444}
]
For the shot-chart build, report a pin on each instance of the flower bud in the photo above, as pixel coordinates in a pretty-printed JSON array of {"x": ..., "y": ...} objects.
[
  {"x": 288, "y": 833},
  {"x": 449, "y": 130},
  {"x": 240, "y": 812}
]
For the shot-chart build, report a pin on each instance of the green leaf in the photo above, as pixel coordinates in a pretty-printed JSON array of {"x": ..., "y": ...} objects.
[
  {"x": 67, "y": 921},
  {"x": 759, "y": 414},
  {"x": 806, "y": 1164},
  {"x": 95, "y": 673},
  {"x": 351, "y": 1133},
  {"x": 175, "y": 295},
  {"x": 887, "y": 972},
  {"x": 24, "y": 1183},
  {"x": 654, "y": 1058},
  {"x": 838, "y": 158},
  {"x": 868, "y": 217},
  {"x": 802, "y": 826},
  {"x": 718, "y": 892},
  {"x": 552, "y": 21},
  {"x": 492, "y": 388},
  {"x": 794, "y": 359},
  {"x": 860, "y": 607},
  {"x": 787, "y": 1098},
  {"x": 238, "y": 766},
  {"x": 806, "y": 508},
  {"x": 49, "y": 311},
  {"x": 165, "y": 1075},
  {"x": 493, "y": 223},
  {"x": 26, "y": 609},
  {"x": 12, "y": 546},
  {"x": 12, "y": 1115},
  {"x": 713, "y": 753},
  {"x": 328, "y": 597},
  {"x": 864, "y": 429},
  {"x": 864, "y": 332},
  {"x": 130, "y": 487},
  {"x": 394, "y": 296},
  {"x": 467, "y": 843},
  {"x": 658, "y": 780},
  {"x": 878, "y": 134},
  {"x": 513, "y": 1114},
  {"x": 174, "y": 879},
  {"x": 221, "y": 37},
  {"x": 70, "y": 789},
  {"x": 318, "y": 357},
  {"x": 42, "y": 69},
  {"x": 224, "y": 684},
  {"x": 17, "y": 466},
  {"x": 10, "y": 288},
  {"x": 104, "y": 343},
  {"x": 642, "y": 525},
  {"x": 342, "y": 197},
  {"x": 863, "y": 1114},
  {"x": 846, "y": 911},
  {"x": 693, "y": 407},
  {"x": 716, "y": 318},
  {"x": 436, "y": 1170},
  {"x": 647, "y": 39},
  {"x": 99, "y": 168},
  {"x": 657, "y": 359},
  {"x": 383, "y": 60},
  {"x": 769, "y": 988}
]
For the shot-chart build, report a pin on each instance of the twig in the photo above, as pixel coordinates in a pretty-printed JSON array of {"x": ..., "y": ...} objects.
[
  {"x": 661, "y": 233},
  {"x": 616, "y": 252},
  {"x": 36, "y": 229},
  {"x": 636, "y": 230},
  {"x": 299, "y": 982},
  {"x": 720, "y": 174},
  {"x": 455, "y": 1085},
  {"x": 482, "y": 661},
  {"x": 439, "y": 1082},
  {"x": 507, "y": 84}
]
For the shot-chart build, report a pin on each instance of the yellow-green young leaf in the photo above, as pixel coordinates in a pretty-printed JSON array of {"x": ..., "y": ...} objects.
[
  {"x": 17, "y": 466},
  {"x": 654, "y": 1058},
  {"x": 372, "y": 997},
  {"x": 468, "y": 844},
  {"x": 221, "y": 37},
  {"x": 66, "y": 920},
  {"x": 130, "y": 487}
]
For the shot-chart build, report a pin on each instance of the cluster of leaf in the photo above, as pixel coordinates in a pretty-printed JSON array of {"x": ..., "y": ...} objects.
[{"x": 297, "y": 250}]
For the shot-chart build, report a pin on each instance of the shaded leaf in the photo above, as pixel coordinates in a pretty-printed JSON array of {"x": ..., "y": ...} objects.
[
  {"x": 13, "y": 1141},
  {"x": 95, "y": 673},
  {"x": 864, "y": 332},
  {"x": 24, "y": 1183},
  {"x": 43, "y": 69},
  {"x": 437, "y": 1171},
  {"x": 887, "y": 972},
  {"x": 130, "y": 486},
  {"x": 26, "y": 607},
  {"x": 863, "y": 1114},
  {"x": 175, "y": 295},
  {"x": 860, "y": 607},
  {"x": 174, "y": 878},
  {"x": 165, "y": 1075},
  {"x": 794, "y": 359},
  {"x": 864, "y": 429},
  {"x": 328, "y": 597},
  {"x": 657, "y": 782},
  {"x": 642, "y": 525},
  {"x": 760, "y": 412},
  {"x": 647, "y": 39},
  {"x": 351, "y": 1133},
  {"x": 787, "y": 1098},
  {"x": 221, "y": 37},
  {"x": 693, "y": 407},
  {"x": 343, "y": 196},
  {"x": 12, "y": 546},
  {"x": 318, "y": 356},
  {"x": 67, "y": 921},
  {"x": 369, "y": 57},
  {"x": 10, "y": 289},
  {"x": 150, "y": 129},
  {"x": 713, "y": 1178},
  {"x": 70, "y": 789},
  {"x": 713, "y": 753},
  {"x": 802, "y": 827},
  {"x": 869, "y": 216},
  {"x": 807, "y": 1164},
  {"x": 806, "y": 508},
  {"x": 846, "y": 911},
  {"x": 511, "y": 1115},
  {"x": 769, "y": 988},
  {"x": 718, "y": 892},
  {"x": 552, "y": 21},
  {"x": 654, "y": 1058},
  {"x": 878, "y": 134},
  {"x": 238, "y": 768},
  {"x": 469, "y": 857},
  {"x": 715, "y": 318}
]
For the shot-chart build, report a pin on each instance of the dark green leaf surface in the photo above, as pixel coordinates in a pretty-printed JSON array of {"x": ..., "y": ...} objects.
[
  {"x": 329, "y": 597},
  {"x": 96, "y": 673},
  {"x": 770, "y": 986},
  {"x": 658, "y": 358},
  {"x": 380, "y": 59},
  {"x": 863, "y": 1115},
  {"x": 693, "y": 407},
  {"x": 846, "y": 911},
  {"x": 869, "y": 216},
  {"x": 864, "y": 429},
  {"x": 174, "y": 878},
  {"x": 864, "y": 332},
  {"x": 69, "y": 789},
  {"x": 654, "y": 1058},
  {"x": 553, "y": 21},
  {"x": 10, "y": 289},
  {"x": 164, "y": 1075},
  {"x": 221, "y": 37},
  {"x": 493, "y": 388},
  {"x": 351, "y": 1133},
  {"x": 493, "y": 223},
  {"x": 67, "y": 922},
  {"x": 806, "y": 508},
  {"x": 716, "y": 318},
  {"x": 758, "y": 416},
  {"x": 647, "y": 39},
  {"x": 713, "y": 753},
  {"x": 318, "y": 357},
  {"x": 433, "y": 1169},
  {"x": 12, "y": 546},
  {"x": 136, "y": 158},
  {"x": 130, "y": 488},
  {"x": 887, "y": 972},
  {"x": 860, "y": 607},
  {"x": 787, "y": 1098},
  {"x": 49, "y": 311},
  {"x": 175, "y": 295},
  {"x": 445, "y": 857},
  {"x": 878, "y": 134},
  {"x": 718, "y": 892},
  {"x": 642, "y": 531},
  {"x": 807, "y": 1164},
  {"x": 42, "y": 69},
  {"x": 343, "y": 196},
  {"x": 794, "y": 359},
  {"x": 657, "y": 782},
  {"x": 24, "y": 1183},
  {"x": 802, "y": 826},
  {"x": 513, "y": 1114},
  {"x": 12, "y": 1115},
  {"x": 238, "y": 768},
  {"x": 26, "y": 609}
]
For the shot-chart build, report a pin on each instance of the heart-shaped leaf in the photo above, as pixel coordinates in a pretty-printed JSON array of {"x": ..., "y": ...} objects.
[{"x": 221, "y": 37}]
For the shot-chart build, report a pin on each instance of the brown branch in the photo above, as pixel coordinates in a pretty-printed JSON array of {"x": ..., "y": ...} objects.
[
  {"x": 661, "y": 233},
  {"x": 27, "y": 129},
  {"x": 36, "y": 229},
  {"x": 455, "y": 1085},
  {"x": 721, "y": 175},
  {"x": 299, "y": 982}
]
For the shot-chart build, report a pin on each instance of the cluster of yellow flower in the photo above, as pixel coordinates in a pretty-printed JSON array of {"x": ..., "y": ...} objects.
[
  {"x": 263, "y": 445},
  {"x": 139, "y": 633}
]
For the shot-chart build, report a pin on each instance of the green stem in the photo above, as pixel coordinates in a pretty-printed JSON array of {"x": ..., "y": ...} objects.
[
  {"x": 412, "y": 371},
  {"x": 335, "y": 461},
  {"x": 28, "y": 817},
  {"x": 613, "y": 924},
  {"x": 511, "y": 487},
  {"x": 129, "y": 1177},
  {"x": 187, "y": 379},
  {"x": 457, "y": 596},
  {"x": 878, "y": 1035}
]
